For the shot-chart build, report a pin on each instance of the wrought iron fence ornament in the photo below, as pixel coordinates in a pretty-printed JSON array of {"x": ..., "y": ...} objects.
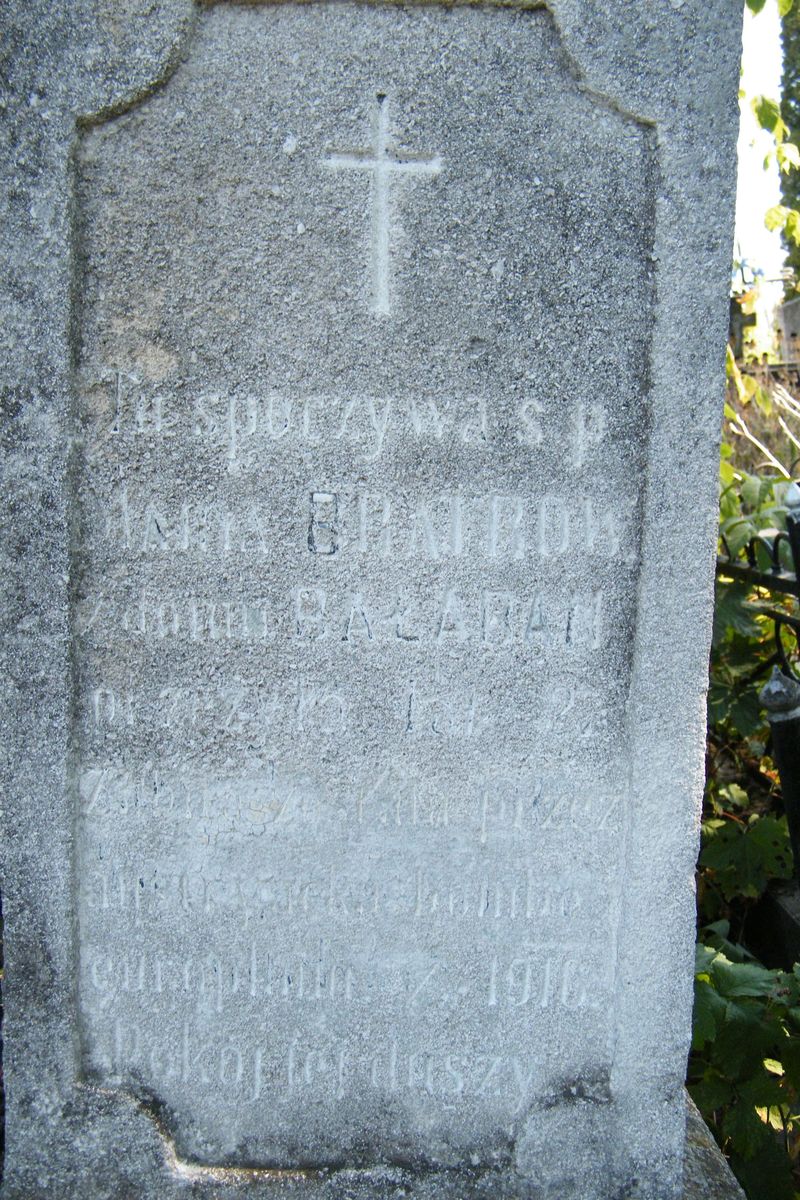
[
  {"x": 776, "y": 576},
  {"x": 781, "y": 698}
]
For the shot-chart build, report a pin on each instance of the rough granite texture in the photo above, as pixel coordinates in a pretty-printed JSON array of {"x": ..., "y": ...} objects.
[{"x": 361, "y": 392}]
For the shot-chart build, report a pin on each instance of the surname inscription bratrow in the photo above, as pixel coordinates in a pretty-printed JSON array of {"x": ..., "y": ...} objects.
[{"x": 357, "y": 525}]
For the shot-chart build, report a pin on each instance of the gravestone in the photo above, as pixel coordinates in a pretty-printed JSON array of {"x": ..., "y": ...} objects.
[{"x": 361, "y": 443}]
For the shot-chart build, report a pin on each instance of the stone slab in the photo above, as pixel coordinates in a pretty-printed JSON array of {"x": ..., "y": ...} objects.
[
  {"x": 355, "y": 699},
  {"x": 772, "y": 932},
  {"x": 340, "y": 575}
]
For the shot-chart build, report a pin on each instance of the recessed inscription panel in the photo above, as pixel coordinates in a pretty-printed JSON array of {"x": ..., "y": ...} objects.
[{"x": 356, "y": 573}]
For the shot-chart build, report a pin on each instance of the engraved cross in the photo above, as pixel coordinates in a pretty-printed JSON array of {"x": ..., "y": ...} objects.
[{"x": 383, "y": 160}]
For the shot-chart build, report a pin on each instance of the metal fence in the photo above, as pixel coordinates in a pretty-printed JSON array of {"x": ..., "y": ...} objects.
[{"x": 770, "y": 561}]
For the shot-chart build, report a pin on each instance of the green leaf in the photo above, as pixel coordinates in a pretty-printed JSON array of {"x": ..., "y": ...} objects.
[
  {"x": 756, "y": 6},
  {"x": 770, "y": 837},
  {"x": 745, "y": 712},
  {"x": 726, "y": 473},
  {"x": 789, "y": 1057},
  {"x": 716, "y": 936},
  {"x": 720, "y": 930},
  {"x": 744, "y": 1127},
  {"x": 751, "y": 487},
  {"x": 751, "y": 386},
  {"x": 745, "y": 858},
  {"x": 740, "y": 707},
  {"x": 735, "y": 796},
  {"x": 764, "y": 400},
  {"x": 737, "y": 530},
  {"x": 710, "y": 1093},
  {"x": 709, "y": 1010},
  {"x": 788, "y": 157},
  {"x": 741, "y": 979},
  {"x": 784, "y": 7},
  {"x": 703, "y": 958},
  {"x": 733, "y": 612},
  {"x": 776, "y": 216},
  {"x": 746, "y": 1037},
  {"x": 792, "y": 226},
  {"x": 767, "y": 112},
  {"x": 719, "y": 702},
  {"x": 741, "y": 654},
  {"x": 762, "y": 1091}
]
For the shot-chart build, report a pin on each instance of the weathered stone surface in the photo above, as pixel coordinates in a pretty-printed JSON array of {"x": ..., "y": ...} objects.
[{"x": 357, "y": 420}]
